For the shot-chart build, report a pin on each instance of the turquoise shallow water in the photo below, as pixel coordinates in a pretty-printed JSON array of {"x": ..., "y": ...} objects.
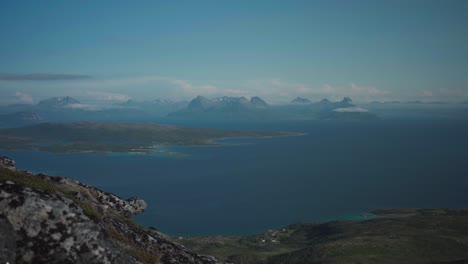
[{"x": 336, "y": 171}]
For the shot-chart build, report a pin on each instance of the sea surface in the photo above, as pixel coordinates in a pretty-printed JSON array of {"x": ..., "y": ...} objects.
[{"x": 335, "y": 171}]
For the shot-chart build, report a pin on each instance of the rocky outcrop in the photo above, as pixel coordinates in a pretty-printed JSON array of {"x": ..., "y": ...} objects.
[
  {"x": 7, "y": 163},
  {"x": 46, "y": 219},
  {"x": 52, "y": 229},
  {"x": 105, "y": 200}
]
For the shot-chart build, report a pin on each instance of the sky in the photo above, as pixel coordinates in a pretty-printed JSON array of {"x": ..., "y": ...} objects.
[{"x": 112, "y": 51}]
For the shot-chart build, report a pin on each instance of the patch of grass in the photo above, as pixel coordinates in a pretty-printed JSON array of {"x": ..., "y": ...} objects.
[
  {"x": 88, "y": 209},
  {"x": 143, "y": 256},
  {"x": 118, "y": 236},
  {"x": 126, "y": 220},
  {"x": 34, "y": 182},
  {"x": 39, "y": 183}
]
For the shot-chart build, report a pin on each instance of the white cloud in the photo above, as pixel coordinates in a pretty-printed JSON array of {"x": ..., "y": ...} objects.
[
  {"x": 108, "y": 96},
  {"x": 453, "y": 93},
  {"x": 84, "y": 107},
  {"x": 149, "y": 87},
  {"x": 366, "y": 90},
  {"x": 273, "y": 90},
  {"x": 351, "y": 110},
  {"x": 427, "y": 93},
  {"x": 23, "y": 98},
  {"x": 444, "y": 94},
  {"x": 283, "y": 91}
]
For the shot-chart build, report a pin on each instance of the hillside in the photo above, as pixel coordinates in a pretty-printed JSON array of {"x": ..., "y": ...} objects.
[
  {"x": 46, "y": 219},
  {"x": 396, "y": 236}
]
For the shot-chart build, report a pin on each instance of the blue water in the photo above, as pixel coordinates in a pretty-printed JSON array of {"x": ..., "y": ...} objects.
[{"x": 336, "y": 170}]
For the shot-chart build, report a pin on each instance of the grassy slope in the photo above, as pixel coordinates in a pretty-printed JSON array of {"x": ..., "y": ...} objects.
[{"x": 401, "y": 236}]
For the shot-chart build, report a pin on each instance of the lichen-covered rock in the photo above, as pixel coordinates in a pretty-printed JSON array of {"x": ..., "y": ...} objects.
[
  {"x": 53, "y": 229},
  {"x": 106, "y": 200},
  {"x": 48, "y": 219},
  {"x": 130, "y": 207},
  {"x": 7, "y": 241},
  {"x": 7, "y": 163}
]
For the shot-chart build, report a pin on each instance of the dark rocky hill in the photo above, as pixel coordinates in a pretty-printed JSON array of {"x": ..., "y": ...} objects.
[{"x": 46, "y": 219}]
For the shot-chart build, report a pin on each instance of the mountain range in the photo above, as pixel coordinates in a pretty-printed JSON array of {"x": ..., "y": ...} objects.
[
  {"x": 225, "y": 108},
  {"x": 240, "y": 108}
]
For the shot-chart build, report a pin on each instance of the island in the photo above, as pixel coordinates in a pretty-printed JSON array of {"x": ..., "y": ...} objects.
[{"x": 64, "y": 137}]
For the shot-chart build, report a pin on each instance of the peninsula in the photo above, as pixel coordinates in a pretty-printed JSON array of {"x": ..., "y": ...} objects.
[{"x": 115, "y": 137}]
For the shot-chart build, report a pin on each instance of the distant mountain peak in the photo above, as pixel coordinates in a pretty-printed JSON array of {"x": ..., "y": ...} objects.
[
  {"x": 300, "y": 100},
  {"x": 347, "y": 100},
  {"x": 258, "y": 102},
  {"x": 200, "y": 103},
  {"x": 226, "y": 104}
]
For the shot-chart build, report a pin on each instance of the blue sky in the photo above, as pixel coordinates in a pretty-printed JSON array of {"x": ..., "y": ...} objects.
[{"x": 369, "y": 50}]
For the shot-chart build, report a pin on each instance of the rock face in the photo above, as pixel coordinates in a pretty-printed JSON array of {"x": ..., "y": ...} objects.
[
  {"x": 46, "y": 219},
  {"x": 7, "y": 241}
]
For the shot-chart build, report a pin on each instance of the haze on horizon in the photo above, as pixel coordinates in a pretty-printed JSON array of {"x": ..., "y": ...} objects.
[{"x": 112, "y": 51}]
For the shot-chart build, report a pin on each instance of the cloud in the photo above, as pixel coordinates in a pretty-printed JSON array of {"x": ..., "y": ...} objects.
[
  {"x": 351, "y": 110},
  {"x": 366, "y": 90},
  {"x": 41, "y": 77},
  {"x": 84, "y": 107},
  {"x": 110, "y": 89},
  {"x": 428, "y": 93},
  {"x": 107, "y": 96},
  {"x": 284, "y": 91},
  {"x": 444, "y": 94},
  {"x": 144, "y": 87},
  {"x": 23, "y": 98},
  {"x": 274, "y": 90},
  {"x": 189, "y": 89},
  {"x": 456, "y": 93}
]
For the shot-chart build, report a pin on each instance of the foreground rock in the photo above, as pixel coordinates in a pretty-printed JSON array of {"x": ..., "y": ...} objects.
[{"x": 47, "y": 219}]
